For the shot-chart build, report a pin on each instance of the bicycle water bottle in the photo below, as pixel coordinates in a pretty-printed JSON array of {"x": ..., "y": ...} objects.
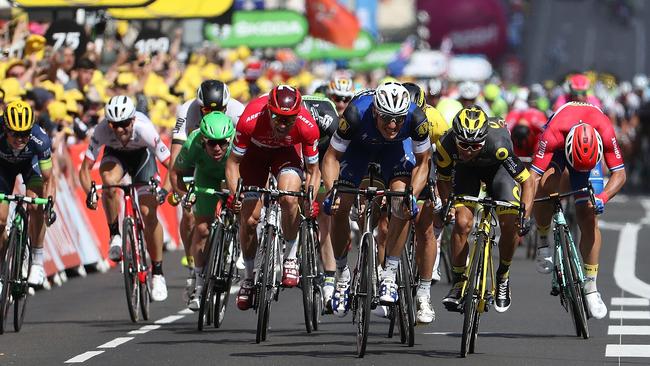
[{"x": 596, "y": 178}]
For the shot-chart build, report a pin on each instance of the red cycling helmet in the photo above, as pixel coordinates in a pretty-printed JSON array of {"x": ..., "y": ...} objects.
[
  {"x": 583, "y": 147},
  {"x": 579, "y": 83},
  {"x": 285, "y": 100}
]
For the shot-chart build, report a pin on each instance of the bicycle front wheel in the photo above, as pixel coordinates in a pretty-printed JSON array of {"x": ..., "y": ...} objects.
[
  {"x": 144, "y": 277},
  {"x": 265, "y": 286},
  {"x": 21, "y": 293},
  {"x": 207, "y": 293},
  {"x": 130, "y": 269},
  {"x": 226, "y": 272},
  {"x": 306, "y": 276},
  {"x": 470, "y": 300},
  {"x": 574, "y": 287},
  {"x": 7, "y": 277},
  {"x": 363, "y": 292},
  {"x": 407, "y": 309}
]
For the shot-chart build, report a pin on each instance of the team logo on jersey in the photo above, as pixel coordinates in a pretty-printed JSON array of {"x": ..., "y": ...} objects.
[
  {"x": 502, "y": 153},
  {"x": 344, "y": 126},
  {"x": 541, "y": 149},
  {"x": 423, "y": 128}
]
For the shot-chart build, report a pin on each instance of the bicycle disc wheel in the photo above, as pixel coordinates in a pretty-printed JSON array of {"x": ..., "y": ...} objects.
[
  {"x": 130, "y": 269},
  {"x": 470, "y": 306},
  {"x": 577, "y": 306},
  {"x": 144, "y": 277},
  {"x": 306, "y": 276},
  {"x": 7, "y": 280},
  {"x": 22, "y": 293},
  {"x": 364, "y": 293},
  {"x": 407, "y": 306}
]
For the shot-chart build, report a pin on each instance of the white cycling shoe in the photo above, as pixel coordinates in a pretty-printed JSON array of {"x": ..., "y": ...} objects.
[
  {"x": 544, "y": 259},
  {"x": 115, "y": 248},
  {"x": 158, "y": 288},
  {"x": 425, "y": 313},
  {"x": 595, "y": 305},
  {"x": 36, "y": 275}
]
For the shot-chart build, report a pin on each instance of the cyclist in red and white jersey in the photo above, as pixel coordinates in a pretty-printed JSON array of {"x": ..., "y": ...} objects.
[
  {"x": 576, "y": 138},
  {"x": 579, "y": 86},
  {"x": 132, "y": 145},
  {"x": 274, "y": 134},
  {"x": 525, "y": 126}
]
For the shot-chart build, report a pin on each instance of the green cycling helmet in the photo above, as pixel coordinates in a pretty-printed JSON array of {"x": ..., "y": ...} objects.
[{"x": 216, "y": 126}]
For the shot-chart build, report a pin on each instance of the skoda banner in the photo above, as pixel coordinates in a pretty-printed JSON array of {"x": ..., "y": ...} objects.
[
  {"x": 313, "y": 48},
  {"x": 377, "y": 58},
  {"x": 278, "y": 28}
]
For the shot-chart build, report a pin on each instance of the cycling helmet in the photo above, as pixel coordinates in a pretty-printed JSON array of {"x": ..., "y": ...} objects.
[
  {"x": 341, "y": 86},
  {"x": 469, "y": 90},
  {"x": 435, "y": 87},
  {"x": 119, "y": 108},
  {"x": 213, "y": 94},
  {"x": 491, "y": 92},
  {"x": 216, "y": 126},
  {"x": 392, "y": 99},
  {"x": 583, "y": 147},
  {"x": 18, "y": 116},
  {"x": 471, "y": 124},
  {"x": 521, "y": 137},
  {"x": 579, "y": 83},
  {"x": 284, "y": 100},
  {"x": 416, "y": 93},
  {"x": 640, "y": 82}
]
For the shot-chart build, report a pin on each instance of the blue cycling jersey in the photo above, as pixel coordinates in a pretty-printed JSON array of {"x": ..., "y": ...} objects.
[{"x": 39, "y": 147}]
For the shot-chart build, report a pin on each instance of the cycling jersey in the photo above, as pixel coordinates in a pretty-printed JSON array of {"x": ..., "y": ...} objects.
[
  {"x": 558, "y": 127},
  {"x": 208, "y": 173},
  {"x": 255, "y": 128},
  {"x": 189, "y": 115},
  {"x": 564, "y": 99},
  {"x": 437, "y": 124},
  {"x": 28, "y": 162},
  {"x": 144, "y": 135},
  {"x": 324, "y": 112},
  {"x": 534, "y": 120}
]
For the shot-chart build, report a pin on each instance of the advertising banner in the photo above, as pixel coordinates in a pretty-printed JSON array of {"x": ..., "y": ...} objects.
[{"x": 317, "y": 49}]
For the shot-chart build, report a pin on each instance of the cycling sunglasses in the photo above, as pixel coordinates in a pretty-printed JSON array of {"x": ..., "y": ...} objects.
[
  {"x": 124, "y": 123},
  {"x": 470, "y": 146},
  {"x": 386, "y": 119},
  {"x": 285, "y": 120},
  {"x": 206, "y": 110},
  {"x": 214, "y": 143},
  {"x": 341, "y": 99},
  {"x": 19, "y": 134}
]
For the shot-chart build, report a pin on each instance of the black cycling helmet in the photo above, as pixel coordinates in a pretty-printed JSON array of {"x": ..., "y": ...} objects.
[
  {"x": 213, "y": 94},
  {"x": 520, "y": 136},
  {"x": 416, "y": 93}
]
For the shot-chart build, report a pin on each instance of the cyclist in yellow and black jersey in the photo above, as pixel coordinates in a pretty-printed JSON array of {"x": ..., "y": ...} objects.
[{"x": 478, "y": 149}]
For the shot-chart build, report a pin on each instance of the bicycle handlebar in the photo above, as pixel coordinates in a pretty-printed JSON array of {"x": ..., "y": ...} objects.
[{"x": 47, "y": 202}]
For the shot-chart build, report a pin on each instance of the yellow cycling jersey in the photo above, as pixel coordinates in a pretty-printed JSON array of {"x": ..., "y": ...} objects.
[{"x": 437, "y": 124}]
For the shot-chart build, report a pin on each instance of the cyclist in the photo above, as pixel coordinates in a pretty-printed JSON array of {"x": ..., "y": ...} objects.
[
  {"x": 203, "y": 156},
  {"x": 25, "y": 149},
  {"x": 479, "y": 150},
  {"x": 340, "y": 91},
  {"x": 272, "y": 132},
  {"x": 132, "y": 146},
  {"x": 325, "y": 114},
  {"x": 469, "y": 93},
  {"x": 576, "y": 138},
  {"x": 525, "y": 126},
  {"x": 579, "y": 86},
  {"x": 375, "y": 126},
  {"x": 427, "y": 246},
  {"x": 212, "y": 95},
  {"x": 434, "y": 92}
]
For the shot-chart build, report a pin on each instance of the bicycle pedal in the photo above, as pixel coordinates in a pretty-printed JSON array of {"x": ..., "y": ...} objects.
[
  {"x": 456, "y": 308},
  {"x": 555, "y": 291}
]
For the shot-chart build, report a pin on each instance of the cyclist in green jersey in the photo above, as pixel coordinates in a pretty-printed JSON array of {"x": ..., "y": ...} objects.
[{"x": 205, "y": 154}]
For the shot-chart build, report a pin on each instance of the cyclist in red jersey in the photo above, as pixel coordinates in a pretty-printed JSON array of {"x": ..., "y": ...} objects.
[
  {"x": 274, "y": 134},
  {"x": 579, "y": 85},
  {"x": 525, "y": 126},
  {"x": 577, "y": 137}
]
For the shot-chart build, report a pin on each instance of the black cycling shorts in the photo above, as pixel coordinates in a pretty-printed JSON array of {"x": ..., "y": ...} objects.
[
  {"x": 500, "y": 185},
  {"x": 139, "y": 164}
]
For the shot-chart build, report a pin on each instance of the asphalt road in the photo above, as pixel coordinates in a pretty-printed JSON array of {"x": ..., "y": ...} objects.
[{"x": 87, "y": 318}]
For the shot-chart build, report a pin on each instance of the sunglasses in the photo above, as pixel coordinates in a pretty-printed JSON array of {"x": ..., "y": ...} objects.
[
  {"x": 206, "y": 110},
  {"x": 386, "y": 119},
  {"x": 470, "y": 146},
  {"x": 285, "y": 120},
  {"x": 215, "y": 143},
  {"x": 579, "y": 93},
  {"x": 124, "y": 124},
  {"x": 19, "y": 134},
  {"x": 341, "y": 99}
]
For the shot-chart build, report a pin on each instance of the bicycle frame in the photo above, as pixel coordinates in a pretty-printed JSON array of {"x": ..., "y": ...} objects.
[{"x": 561, "y": 224}]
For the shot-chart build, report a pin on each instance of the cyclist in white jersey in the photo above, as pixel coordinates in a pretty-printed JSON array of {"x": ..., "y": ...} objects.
[
  {"x": 131, "y": 142},
  {"x": 212, "y": 95}
]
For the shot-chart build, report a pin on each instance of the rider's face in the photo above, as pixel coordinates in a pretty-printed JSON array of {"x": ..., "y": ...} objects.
[
  {"x": 389, "y": 126},
  {"x": 282, "y": 125},
  {"x": 123, "y": 129},
  {"x": 18, "y": 140}
]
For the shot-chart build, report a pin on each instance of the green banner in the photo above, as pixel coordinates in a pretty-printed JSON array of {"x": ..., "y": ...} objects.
[
  {"x": 315, "y": 49},
  {"x": 377, "y": 58},
  {"x": 276, "y": 28}
]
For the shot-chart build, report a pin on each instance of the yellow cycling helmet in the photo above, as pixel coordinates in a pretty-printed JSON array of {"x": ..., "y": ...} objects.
[
  {"x": 470, "y": 124},
  {"x": 19, "y": 116}
]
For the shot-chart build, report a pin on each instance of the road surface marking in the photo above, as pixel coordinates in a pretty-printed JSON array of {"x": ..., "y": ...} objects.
[
  {"x": 610, "y": 225},
  {"x": 186, "y": 312},
  {"x": 84, "y": 356},
  {"x": 625, "y": 264},
  {"x": 145, "y": 329},
  {"x": 627, "y": 350},
  {"x": 169, "y": 319},
  {"x": 630, "y": 301},
  {"x": 628, "y": 330},
  {"x": 625, "y": 314},
  {"x": 115, "y": 342}
]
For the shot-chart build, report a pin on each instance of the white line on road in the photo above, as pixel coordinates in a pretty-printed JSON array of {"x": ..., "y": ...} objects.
[
  {"x": 115, "y": 342},
  {"x": 630, "y": 301},
  {"x": 625, "y": 314},
  {"x": 169, "y": 319},
  {"x": 84, "y": 356},
  {"x": 627, "y": 350},
  {"x": 628, "y": 330},
  {"x": 145, "y": 329},
  {"x": 625, "y": 264},
  {"x": 610, "y": 225},
  {"x": 186, "y": 312}
]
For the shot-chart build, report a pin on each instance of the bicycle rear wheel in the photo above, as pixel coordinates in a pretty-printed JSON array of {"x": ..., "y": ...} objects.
[
  {"x": 21, "y": 292},
  {"x": 363, "y": 292},
  {"x": 7, "y": 277},
  {"x": 470, "y": 301},
  {"x": 144, "y": 277},
  {"x": 130, "y": 269},
  {"x": 577, "y": 306},
  {"x": 207, "y": 293},
  {"x": 306, "y": 276}
]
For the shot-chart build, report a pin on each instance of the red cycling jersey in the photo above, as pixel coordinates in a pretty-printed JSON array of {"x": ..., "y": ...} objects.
[
  {"x": 564, "y": 99},
  {"x": 254, "y": 127},
  {"x": 534, "y": 120},
  {"x": 558, "y": 128}
]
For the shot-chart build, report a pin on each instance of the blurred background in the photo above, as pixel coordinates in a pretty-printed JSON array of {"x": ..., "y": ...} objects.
[{"x": 67, "y": 57}]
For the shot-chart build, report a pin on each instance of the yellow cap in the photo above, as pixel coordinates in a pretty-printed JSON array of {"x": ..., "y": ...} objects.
[
  {"x": 12, "y": 88},
  {"x": 58, "y": 111},
  {"x": 35, "y": 44},
  {"x": 54, "y": 88}
]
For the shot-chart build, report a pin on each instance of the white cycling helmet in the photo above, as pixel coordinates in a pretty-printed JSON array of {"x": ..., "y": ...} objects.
[
  {"x": 435, "y": 87},
  {"x": 341, "y": 86},
  {"x": 640, "y": 82},
  {"x": 469, "y": 90},
  {"x": 119, "y": 108},
  {"x": 392, "y": 99}
]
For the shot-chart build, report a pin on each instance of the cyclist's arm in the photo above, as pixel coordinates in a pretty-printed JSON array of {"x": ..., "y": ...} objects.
[
  {"x": 49, "y": 184},
  {"x": 331, "y": 167},
  {"x": 232, "y": 171},
  {"x": 183, "y": 165},
  {"x": 84, "y": 174},
  {"x": 313, "y": 176},
  {"x": 614, "y": 184}
]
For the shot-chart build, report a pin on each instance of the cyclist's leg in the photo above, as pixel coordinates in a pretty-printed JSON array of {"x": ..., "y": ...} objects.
[
  {"x": 199, "y": 253},
  {"x": 7, "y": 181},
  {"x": 425, "y": 257},
  {"x": 543, "y": 211},
  {"x": 34, "y": 188},
  {"x": 326, "y": 254},
  {"x": 111, "y": 172}
]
